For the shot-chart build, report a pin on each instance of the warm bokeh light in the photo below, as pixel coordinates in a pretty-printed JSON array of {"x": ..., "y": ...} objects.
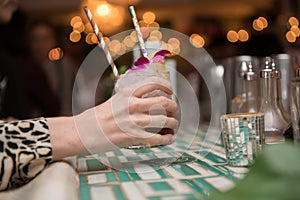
[
  {"x": 290, "y": 36},
  {"x": 152, "y": 38},
  {"x": 197, "y": 41},
  {"x": 106, "y": 40},
  {"x": 149, "y": 17},
  {"x": 174, "y": 45},
  {"x": 150, "y": 29},
  {"x": 94, "y": 38},
  {"x": 128, "y": 42},
  {"x": 55, "y": 54},
  {"x": 295, "y": 29},
  {"x": 175, "y": 51},
  {"x": 88, "y": 28},
  {"x": 75, "y": 36},
  {"x": 142, "y": 23},
  {"x": 107, "y": 15},
  {"x": 164, "y": 45},
  {"x": 264, "y": 21},
  {"x": 133, "y": 36},
  {"x": 258, "y": 25},
  {"x": 117, "y": 16},
  {"x": 156, "y": 34},
  {"x": 88, "y": 38},
  {"x": 174, "y": 42},
  {"x": 153, "y": 26},
  {"x": 74, "y": 20},
  {"x": 103, "y": 9},
  {"x": 115, "y": 46},
  {"x": 293, "y": 21},
  {"x": 122, "y": 50},
  {"x": 243, "y": 35},
  {"x": 169, "y": 48},
  {"x": 232, "y": 36},
  {"x": 79, "y": 26}
]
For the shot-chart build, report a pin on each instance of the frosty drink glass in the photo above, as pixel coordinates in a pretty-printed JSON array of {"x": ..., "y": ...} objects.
[{"x": 136, "y": 75}]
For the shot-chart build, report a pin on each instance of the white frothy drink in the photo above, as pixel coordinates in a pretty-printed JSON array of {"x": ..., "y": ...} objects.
[{"x": 138, "y": 74}]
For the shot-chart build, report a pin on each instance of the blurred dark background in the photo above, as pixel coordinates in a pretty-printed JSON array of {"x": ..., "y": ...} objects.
[{"x": 225, "y": 28}]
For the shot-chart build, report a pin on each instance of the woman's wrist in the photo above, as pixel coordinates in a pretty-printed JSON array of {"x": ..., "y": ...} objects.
[{"x": 64, "y": 138}]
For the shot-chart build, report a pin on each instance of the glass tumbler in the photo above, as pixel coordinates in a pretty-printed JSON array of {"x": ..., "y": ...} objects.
[{"x": 135, "y": 76}]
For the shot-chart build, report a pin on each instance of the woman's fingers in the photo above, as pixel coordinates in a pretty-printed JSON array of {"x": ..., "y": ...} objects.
[
  {"x": 138, "y": 120},
  {"x": 150, "y": 84},
  {"x": 161, "y": 121},
  {"x": 153, "y": 105},
  {"x": 154, "y": 121}
]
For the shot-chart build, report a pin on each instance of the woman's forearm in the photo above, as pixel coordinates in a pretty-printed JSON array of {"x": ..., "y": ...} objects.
[{"x": 64, "y": 138}]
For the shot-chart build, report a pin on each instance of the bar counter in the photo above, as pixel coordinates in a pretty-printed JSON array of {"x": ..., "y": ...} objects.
[{"x": 178, "y": 171}]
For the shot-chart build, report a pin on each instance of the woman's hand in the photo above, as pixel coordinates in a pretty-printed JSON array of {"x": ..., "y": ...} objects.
[{"x": 123, "y": 119}]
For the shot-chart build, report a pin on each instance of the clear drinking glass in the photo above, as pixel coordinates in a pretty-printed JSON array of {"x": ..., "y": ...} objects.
[
  {"x": 276, "y": 125},
  {"x": 242, "y": 137},
  {"x": 138, "y": 75},
  {"x": 295, "y": 106}
]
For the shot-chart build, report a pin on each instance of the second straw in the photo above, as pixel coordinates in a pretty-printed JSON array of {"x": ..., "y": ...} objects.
[{"x": 138, "y": 31}]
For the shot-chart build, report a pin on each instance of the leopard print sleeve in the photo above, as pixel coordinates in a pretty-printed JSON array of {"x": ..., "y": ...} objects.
[{"x": 25, "y": 150}]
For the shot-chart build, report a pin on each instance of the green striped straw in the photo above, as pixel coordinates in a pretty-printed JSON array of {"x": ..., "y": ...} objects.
[{"x": 138, "y": 31}]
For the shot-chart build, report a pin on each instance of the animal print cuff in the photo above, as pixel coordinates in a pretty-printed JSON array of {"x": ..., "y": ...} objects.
[{"x": 25, "y": 150}]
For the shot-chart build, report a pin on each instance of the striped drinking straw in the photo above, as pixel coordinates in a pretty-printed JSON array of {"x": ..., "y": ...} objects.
[
  {"x": 138, "y": 31},
  {"x": 101, "y": 41}
]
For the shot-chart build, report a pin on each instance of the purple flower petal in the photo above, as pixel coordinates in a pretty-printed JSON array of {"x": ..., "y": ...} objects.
[
  {"x": 159, "y": 56},
  {"x": 142, "y": 61},
  {"x": 162, "y": 53}
]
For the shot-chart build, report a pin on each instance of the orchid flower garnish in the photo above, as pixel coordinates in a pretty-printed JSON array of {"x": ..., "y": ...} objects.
[{"x": 143, "y": 61}]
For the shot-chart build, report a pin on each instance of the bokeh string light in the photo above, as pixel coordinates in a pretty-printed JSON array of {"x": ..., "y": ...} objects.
[
  {"x": 150, "y": 32},
  {"x": 197, "y": 41},
  {"x": 260, "y": 24},
  {"x": 149, "y": 28},
  {"x": 232, "y": 36},
  {"x": 55, "y": 54},
  {"x": 243, "y": 35},
  {"x": 293, "y": 31},
  {"x": 293, "y": 21}
]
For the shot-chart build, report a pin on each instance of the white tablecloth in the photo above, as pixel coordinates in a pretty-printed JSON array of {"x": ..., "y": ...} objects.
[{"x": 58, "y": 182}]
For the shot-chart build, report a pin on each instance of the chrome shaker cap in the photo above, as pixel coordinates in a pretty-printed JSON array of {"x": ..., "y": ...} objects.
[
  {"x": 267, "y": 71},
  {"x": 250, "y": 74}
]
